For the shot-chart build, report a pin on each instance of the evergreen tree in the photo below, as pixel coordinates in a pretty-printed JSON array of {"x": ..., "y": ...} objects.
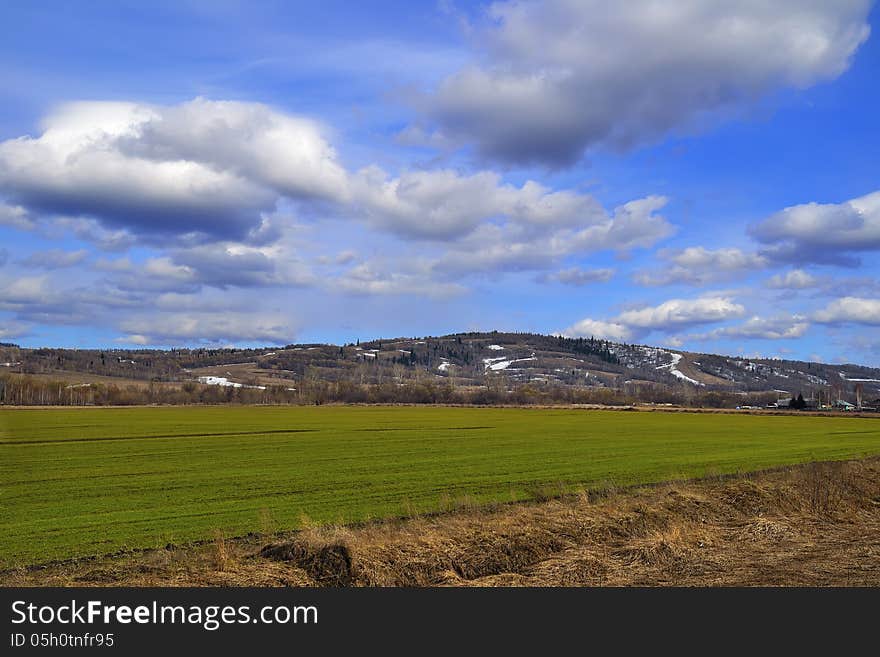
[{"x": 799, "y": 403}]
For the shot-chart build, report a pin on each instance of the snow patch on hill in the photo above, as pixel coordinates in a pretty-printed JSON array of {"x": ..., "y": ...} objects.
[
  {"x": 226, "y": 383},
  {"x": 846, "y": 378},
  {"x": 673, "y": 370},
  {"x": 497, "y": 364}
]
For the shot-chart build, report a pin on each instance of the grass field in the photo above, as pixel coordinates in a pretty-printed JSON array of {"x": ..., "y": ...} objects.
[{"x": 77, "y": 482}]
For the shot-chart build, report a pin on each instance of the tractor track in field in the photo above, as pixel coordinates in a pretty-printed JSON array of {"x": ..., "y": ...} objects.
[{"x": 163, "y": 436}]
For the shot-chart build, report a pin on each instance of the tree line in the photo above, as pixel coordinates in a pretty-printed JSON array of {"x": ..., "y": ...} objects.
[{"x": 25, "y": 390}]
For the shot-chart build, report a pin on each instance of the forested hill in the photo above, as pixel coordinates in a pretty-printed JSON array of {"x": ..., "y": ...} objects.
[{"x": 506, "y": 360}]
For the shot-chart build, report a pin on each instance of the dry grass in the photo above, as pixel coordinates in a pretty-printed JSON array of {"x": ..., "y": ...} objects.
[
  {"x": 817, "y": 524},
  {"x": 221, "y": 555}
]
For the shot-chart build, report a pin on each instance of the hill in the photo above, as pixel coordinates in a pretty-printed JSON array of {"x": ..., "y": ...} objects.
[{"x": 519, "y": 367}]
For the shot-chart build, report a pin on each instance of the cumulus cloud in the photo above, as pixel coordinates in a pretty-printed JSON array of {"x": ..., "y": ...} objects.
[
  {"x": 208, "y": 168},
  {"x": 592, "y": 328},
  {"x": 221, "y": 265},
  {"x": 699, "y": 257},
  {"x": 445, "y": 205},
  {"x": 431, "y": 204},
  {"x": 231, "y": 264},
  {"x": 828, "y": 233},
  {"x": 670, "y": 315},
  {"x": 156, "y": 310},
  {"x": 368, "y": 278},
  {"x": 24, "y": 290},
  {"x": 165, "y": 267},
  {"x": 795, "y": 279},
  {"x": 838, "y": 287},
  {"x": 560, "y": 76},
  {"x": 674, "y": 341},
  {"x": 578, "y": 277},
  {"x": 50, "y": 299},
  {"x": 855, "y": 310},
  {"x": 776, "y": 328},
  {"x": 175, "y": 328},
  {"x": 248, "y": 140},
  {"x": 12, "y": 330},
  {"x": 698, "y": 265},
  {"x": 344, "y": 257},
  {"x": 512, "y": 246},
  {"x": 122, "y": 264},
  {"x": 207, "y": 173},
  {"x": 55, "y": 259},
  {"x": 16, "y": 217},
  {"x": 683, "y": 312},
  {"x": 91, "y": 230}
]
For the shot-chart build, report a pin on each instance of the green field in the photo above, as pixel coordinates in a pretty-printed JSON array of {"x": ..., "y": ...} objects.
[{"x": 91, "y": 481}]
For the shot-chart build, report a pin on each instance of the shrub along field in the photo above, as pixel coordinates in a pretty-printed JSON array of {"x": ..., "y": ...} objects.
[{"x": 78, "y": 482}]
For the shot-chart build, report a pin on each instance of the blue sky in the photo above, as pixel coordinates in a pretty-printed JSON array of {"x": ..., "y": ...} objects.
[{"x": 697, "y": 175}]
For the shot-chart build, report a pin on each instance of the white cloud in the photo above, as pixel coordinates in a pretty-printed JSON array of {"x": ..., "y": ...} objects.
[
  {"x": 777, "y": 328},
  {"x": 682, "y": 312},
  {"x": 193, "y": 179},
  {"x": 50, "y": 298},
  {"x": 11, "y": 330},
  {"x": 215, "y": 170},
  {"x": 369, "y": 279},
  {"x": 822, "y": 233},
  {"x": 15, "y": 216},
  {"x": 91, "y": 230},
  {"x": 55, "y": 258},
  {"x": 731, "y": 259},
  {"x": 123, "y": 264},
  {"x": 445, "y": 205},
  {"x": 430, "y": 204},
  {"x": 247, "y": 140},
  {"x": 494, "y": 247},
  {"x": 796, "y": 279},
  {"x": 232, "y": 264},
  {"x": 668, "y": 316},
  {"x": 219, "y": 265},
  {"x": 345, "y": 257},
  {"x": 206, "y": 168},
  {"x": 587, "y": 328},
  {"x": 134, "y": 338},
  {"x": 578, "y": 277},
  {"x": 593, "y": 72},
  {"x": 854, "y": 310},
  {"x": 227, "y": 327},
  {"x": 698, "y": 265},
  {"x": 165, "y": 267},
  {"x": 205, "y": 302},
  {"x": 24, "y": 290}
]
